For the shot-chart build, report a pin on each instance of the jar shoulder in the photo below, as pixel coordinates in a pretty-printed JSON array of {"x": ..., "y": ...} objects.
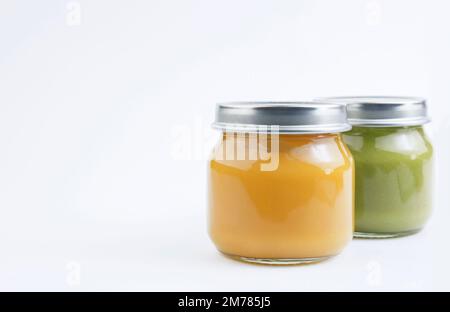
[
  {"x": 412, "y": 143},
  {"x": 328, "y": 151}
]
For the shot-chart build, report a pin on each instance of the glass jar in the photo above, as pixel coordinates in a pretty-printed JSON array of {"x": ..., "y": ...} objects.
[
  {"x": 281, "y": 182},
  {"x": 393, "y": 158}
]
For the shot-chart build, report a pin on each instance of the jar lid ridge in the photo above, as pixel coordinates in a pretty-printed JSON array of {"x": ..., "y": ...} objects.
[
  {"x": 285, "y": 117},
  {"x": 383, "y": 111}
]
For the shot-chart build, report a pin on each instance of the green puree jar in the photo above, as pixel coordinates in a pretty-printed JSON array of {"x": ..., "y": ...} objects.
[{"x": 393, "y": 159}]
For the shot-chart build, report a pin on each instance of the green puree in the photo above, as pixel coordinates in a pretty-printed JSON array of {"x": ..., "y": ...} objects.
[{"x": 393, "y": 178}]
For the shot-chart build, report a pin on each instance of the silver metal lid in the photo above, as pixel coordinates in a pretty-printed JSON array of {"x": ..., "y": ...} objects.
[
  {"x": 289, "y": 117},
  {"x": 383, "y": 111}
]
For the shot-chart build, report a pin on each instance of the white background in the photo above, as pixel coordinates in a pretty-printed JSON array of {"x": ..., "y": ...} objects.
[{"x": 105, "y": 109}]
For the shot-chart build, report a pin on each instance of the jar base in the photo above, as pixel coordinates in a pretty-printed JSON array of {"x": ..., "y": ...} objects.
[
  {"x": 371, "y": 235},
  {"x": 277, "y": 261}
]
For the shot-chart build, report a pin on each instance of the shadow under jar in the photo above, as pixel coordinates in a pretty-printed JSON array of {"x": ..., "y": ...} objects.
[
  {"x": 393, "y": 159},
  {"x": 281, "y": 182}
]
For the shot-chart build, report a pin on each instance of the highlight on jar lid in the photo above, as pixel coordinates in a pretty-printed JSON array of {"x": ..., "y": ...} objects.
[
  {"x": 383, "y": 111},
  {"x": 286, "y": 117}
]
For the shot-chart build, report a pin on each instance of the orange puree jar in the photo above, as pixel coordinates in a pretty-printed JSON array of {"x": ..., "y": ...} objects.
[{"x": 281, "y": 182}]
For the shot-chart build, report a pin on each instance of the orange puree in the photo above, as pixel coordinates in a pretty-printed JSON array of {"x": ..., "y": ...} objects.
[{"x": 301, "y": 210}]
